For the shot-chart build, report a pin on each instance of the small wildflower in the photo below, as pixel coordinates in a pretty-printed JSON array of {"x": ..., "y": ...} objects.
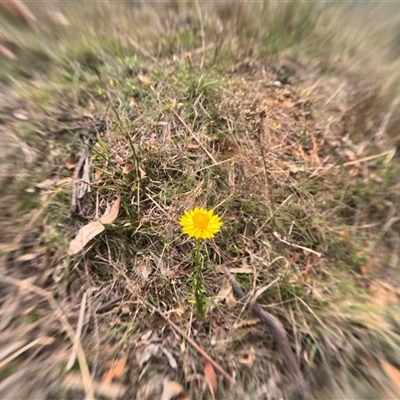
[{"x": 200, "y": 223}]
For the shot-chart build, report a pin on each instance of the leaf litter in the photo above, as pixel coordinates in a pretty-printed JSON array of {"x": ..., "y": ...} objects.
[
  {"x": 92, "y": 229},
  {"x": 289, "y": 158}
]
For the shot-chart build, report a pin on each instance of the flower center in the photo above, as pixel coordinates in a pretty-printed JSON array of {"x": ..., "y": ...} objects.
[{"x": 200, "y": 220}]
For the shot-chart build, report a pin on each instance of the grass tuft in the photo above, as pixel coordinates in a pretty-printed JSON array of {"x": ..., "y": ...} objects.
[{"x": 260, "y": 112}]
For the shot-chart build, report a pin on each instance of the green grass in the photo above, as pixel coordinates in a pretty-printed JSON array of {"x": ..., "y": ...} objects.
[{"x": 157, "y": 123}]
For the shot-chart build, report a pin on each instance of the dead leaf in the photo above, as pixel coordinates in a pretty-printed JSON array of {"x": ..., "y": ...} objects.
[
  {"x": 115, "y": 371},
  {"x": 188, "y": 57},
  {"x": 153, "y": 349},
  {"x": 172, "y": 362},
  {"x": 226, "y": 294},
  {"x": 171, "y": 389},
  {"x": 392, "y": 372},
  {"x": 373, "y": 265},
  {"x": 71, "y": 162},
  {"x": 147, "y": 336},
  {"x": 97, "y": 174},
  {"x": 113, "y": 214},
  {"x": 160, "y": 263},
  {"x": 147, "y": 353},
  {"x": 145, "y": 79},
  {"x": 210, "y": 376},
  {"x": 92, "y": 229},
  {"x": 27, "y": 257},
  {"x": 224, "y": 291},
  {"x": 144, "y": 269},
  {"x": 60, "y": 18},
  {"x": 128, "y": 168},
  {"x": 84, "y": 236},
  {"x": 142, "y": 173},
  {"x": 20, "y": 116}
]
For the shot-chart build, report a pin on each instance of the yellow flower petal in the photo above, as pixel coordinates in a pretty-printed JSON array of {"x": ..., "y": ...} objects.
[{"x": 200, "y": 223}]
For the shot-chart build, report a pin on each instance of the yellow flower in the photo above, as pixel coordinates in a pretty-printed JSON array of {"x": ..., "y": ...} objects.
[{"x": 200, "y": 223}]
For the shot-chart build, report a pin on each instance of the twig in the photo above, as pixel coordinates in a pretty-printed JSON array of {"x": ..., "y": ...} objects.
[
  {"x": 77, "y": 192},
  {"x": 276, "y": 328},
  {"x": 107, "y": 306},
  {"x": 190, "y": 341},
  {"x": 203, "y": 41},
  {"x": 276, "y": 234},
  {"x": 42, "y": 341},
  {"x": 263, "y": 156},
  {"x": 194, "y": 137},
  {"x": 369, "y": 158},
  {"x": 78, "y": 333}
]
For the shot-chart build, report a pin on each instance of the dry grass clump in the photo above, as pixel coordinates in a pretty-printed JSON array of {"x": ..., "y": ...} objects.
[{"x": 298, "y": 165}]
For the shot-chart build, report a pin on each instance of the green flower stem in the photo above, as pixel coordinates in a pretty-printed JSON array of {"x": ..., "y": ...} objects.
[{"x": 198, "y": 289}]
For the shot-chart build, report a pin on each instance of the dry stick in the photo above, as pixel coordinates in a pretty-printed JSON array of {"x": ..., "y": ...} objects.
[
  {"x": 78, "y": 333},
  {"x": 76, "y": 183},
  {"x": 190, "y": 341},
  {"x": 203, "y": 42},
  {"x": 42, "y": 341},
  {"x": 194, "y": 137},
  {"x": 264, "y": 155},
  {"x": 276, "y": 328}
]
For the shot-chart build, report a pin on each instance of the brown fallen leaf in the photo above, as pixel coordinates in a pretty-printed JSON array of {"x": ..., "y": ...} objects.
[
  {"x": 71, "y": 162},
  {"x": 92, "y": 229},
  {"x": 142, "y": 173},
  {"x": 115, "y": 371},
  {"x": 151, "y": 350},
  {"x": 171, "y": 389},
  {"x": 128, "y": 168},
  {"x": 392, "y": 372},
  {"x": 210, "y": 376},
  {"x": 27, "y": 257},
  {"x": 372, "y": 266},
  {"x": 145, "y": 79},
  {"x": 113, "y": 214},
  {"x": 188, "y": 57},
  {"x": 225, "y": 293},
  {"x": 84, "y": 236}
]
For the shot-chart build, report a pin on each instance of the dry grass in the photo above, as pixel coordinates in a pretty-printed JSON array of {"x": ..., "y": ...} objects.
[{"x": 212, "y": 108}]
